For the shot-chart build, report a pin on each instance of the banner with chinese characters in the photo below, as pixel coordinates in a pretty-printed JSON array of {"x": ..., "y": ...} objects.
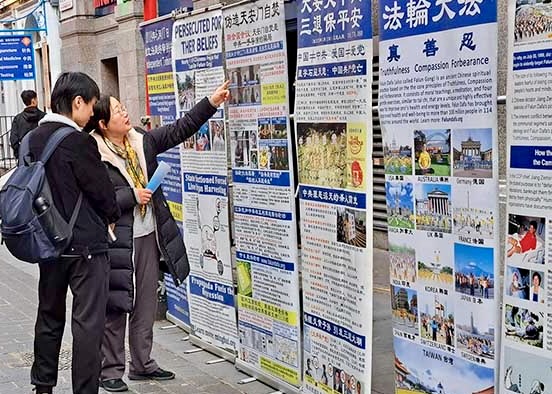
[
  {"x": 157, "y": 37},
  {"x": 263, "y": 194},
  {"x": 438, "y": 113},
  {"x": 197, "y": 52},
  {"x": 333, "y": 123},
  {"x": 527, "y": 311}
]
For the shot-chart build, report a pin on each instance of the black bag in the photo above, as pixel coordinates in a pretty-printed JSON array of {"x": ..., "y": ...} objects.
[{"x": 32, "y": 228}]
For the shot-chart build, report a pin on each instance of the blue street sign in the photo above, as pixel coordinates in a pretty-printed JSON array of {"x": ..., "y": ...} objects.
[{"x": 16, "y": 58}]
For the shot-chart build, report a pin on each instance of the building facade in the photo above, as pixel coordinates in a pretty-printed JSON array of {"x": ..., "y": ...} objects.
[{"x": 42, "y": 20}]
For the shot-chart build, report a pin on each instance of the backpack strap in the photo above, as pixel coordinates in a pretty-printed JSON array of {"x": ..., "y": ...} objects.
[
  {"x": 24, "y": 150},
  {"x": 75, "y": 212},
  {"x": 53, "y": 142},
  {"x": 51, "y": 145}
]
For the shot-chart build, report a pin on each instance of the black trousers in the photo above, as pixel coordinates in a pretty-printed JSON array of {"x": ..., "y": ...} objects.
[{"x": 89, "y": 283}]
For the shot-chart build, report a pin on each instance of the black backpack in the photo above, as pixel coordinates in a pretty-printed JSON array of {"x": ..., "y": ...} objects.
[{"x": 32, "y": 228}]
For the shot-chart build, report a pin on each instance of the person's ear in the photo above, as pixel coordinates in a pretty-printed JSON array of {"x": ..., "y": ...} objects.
[
  {"x": 102, "y": 125},
  {"x": 78, "y": 101}
]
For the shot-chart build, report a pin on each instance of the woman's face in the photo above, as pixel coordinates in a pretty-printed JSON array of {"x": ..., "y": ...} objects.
[
  {"x": 119, "y": 123},
  {"x": 536, "y": 281}
]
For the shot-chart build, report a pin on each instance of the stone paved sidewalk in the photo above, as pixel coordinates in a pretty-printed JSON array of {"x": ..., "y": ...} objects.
[{"x": 18, "y": 300}]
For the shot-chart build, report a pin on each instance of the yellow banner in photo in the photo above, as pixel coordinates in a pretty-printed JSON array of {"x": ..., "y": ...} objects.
[
  {"x": 289, "y": 375},
  {"x": 274, "y": 93},
  {"x": 356, "y": 155},
  {"x": 326, "y": 389},
  {"x": 268, "y": 310},
  {"x": 160, "y": 83},
  {"x": 176, "y": 211}
]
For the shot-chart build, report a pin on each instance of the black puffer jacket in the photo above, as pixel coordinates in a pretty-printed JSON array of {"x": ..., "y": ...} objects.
[{"x": 171, "y": 245}]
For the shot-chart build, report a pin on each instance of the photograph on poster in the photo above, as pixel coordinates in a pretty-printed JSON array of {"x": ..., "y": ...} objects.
[
  {"x": 473, "y": 213},
  {"x": 400, "y": 204},
  {"x": 322, "y": 157},
  {"x": 474, "y": 270},
  {"x": 273, "y": 156},
  {"x": 254, "y": 159},
  {"x": 421, "y": 370},
  {"x": 331, "y": 377},
  {"x": 472, "y": 151},
  {"x": 435, "y": 263},
  {"x": 186, "y": 91},
  {"x": 404, "y": 309},
  {"x": 244, "y": 76},
  {"x": 476, "y": 329},
  {"x": 402, "y": 260},
  {"x": 217, "y": 132},
  {"x": 525, "y": 242},
  {"x": 245, "y": 283},
  {"x": 433, "y": 207},
  {"x": 536, "y": 290},
  {"x": 526, "y": 372},
  {"x": 250, "y": 95},
  {"x": 517, "y": 282},
  {"x": 432, "y": 152},
  {"x": 189, "y": 143},
  {"x": 253, "y": 139},
  {"x": 240, "y": 148},
  {"x": 437, "y": 317},
  {"x": 533, "y": 21},
  {"x": 203, "y": 139},
  {"x": 351, "y": 227},
  {"x": 524, "y": 326},
  {"x": 397, "y": 152},
  {"x": 273, "y": 128}
]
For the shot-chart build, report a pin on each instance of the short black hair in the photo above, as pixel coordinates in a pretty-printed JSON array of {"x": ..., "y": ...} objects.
[
  {"x": 70, "y": 85},
  {"x": 27, "y": 96},
  {"x": 538, "y": 276},
  {"x": 102, "y": 111},
  {"x": 533, "y": 223}
]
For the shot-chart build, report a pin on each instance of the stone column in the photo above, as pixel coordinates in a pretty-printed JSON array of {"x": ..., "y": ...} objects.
[{"x": 131, "y": 58}]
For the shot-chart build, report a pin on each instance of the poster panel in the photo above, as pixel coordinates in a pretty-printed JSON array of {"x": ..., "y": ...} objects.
[
  {"x": 526, "y": 336},
  {"x": 157, "y": 37},
  {"x": 333, "y": 122},
  {"x": 263, "y": 199},
  {"x": 437, "y": 105},
  {"x": 197, "y": 52}
]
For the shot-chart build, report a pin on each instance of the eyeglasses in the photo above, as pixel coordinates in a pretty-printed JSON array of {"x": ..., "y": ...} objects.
[{"x": 119, "y": 110}]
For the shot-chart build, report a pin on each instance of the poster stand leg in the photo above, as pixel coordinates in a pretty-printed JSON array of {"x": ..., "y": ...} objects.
[
  {"x": 267, "y": 379},
  {"x": 178, "y": 323},
  {"x": 222, "y": 353},
  {"x": 168, "y": 327},
  {"x": 216, "y": 361},
  {"x": 194, "y": 350},
  {"x": 247, "y": 380},
  {"x": 186, "y": 338}
]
